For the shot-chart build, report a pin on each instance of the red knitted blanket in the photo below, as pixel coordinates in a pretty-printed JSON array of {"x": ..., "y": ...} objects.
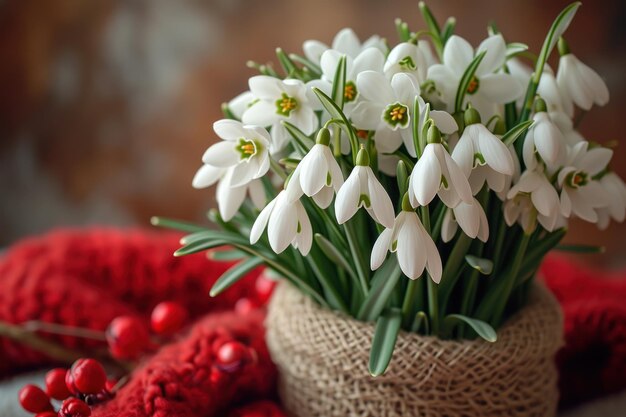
[{"x": 87, "y": 277}]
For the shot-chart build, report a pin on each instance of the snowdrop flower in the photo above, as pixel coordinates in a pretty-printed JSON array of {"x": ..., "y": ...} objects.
[
  {"x": 241, "y": 103},
  {"x": 478, "y": 147},
  {"x": 386, "y": 108},
  {"x": 543, "y": 138},
  {"x": 443, "y": 120},
  {"x": 550, "y": 91},
  {"x": 279, "y": 100},
  {"x": 532, "y": 195},
  {"x": 471, "y": 218},
  {"x": 436, "y": 173},
  {"x": 487, "y": 87},
  {"x": 578, "y": 82},
  {"x": 345, "y": 42},
  {"x": 408, "y": 58},
  {"x": 616, "y": 210},
  {"x": 580, "y": 193},
  {"x": 318, "y": 175},
  {"x": 241, "y": 157},
  {"x": 413, "y": 245},
  {"x": 287, "y": 223},
  {"x": 362, "y": 189}
]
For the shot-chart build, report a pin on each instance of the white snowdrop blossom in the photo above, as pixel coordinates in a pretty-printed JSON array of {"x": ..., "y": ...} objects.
[
  {"x": 580, "y": 193},
  {"x": 533, "y": 195},
  {"x": 544, "y": 139},
  {"x": 287, "y": 223},
  {"x": 477, "y": 146},
  {"x": 407, "y": 58},
  {"x": 386, "y": 108},
  {"x": 278, "y": 100},
  {"x": 579, "y": 83},
  {"x": 362, "y": 189},
  {"x": 471, "y": 218},
  {"x": 241, "y": 103},
  {"x": 615, "y": 188},
  {"x": 413, "y": 245},
  {"x": 345, "y": 42},
  {"x": 436, "y": 173},
  {"x": 318, "y": 175},
  {"x": 241, "y": 157},
  {"x": 550, "y": 91},
  {"x": 488, "y": 87}
]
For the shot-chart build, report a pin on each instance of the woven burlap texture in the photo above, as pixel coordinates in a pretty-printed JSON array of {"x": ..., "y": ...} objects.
[{"x": 322, "y": 358}]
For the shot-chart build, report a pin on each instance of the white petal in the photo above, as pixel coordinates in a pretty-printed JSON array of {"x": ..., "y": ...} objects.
[
  {"x": 239, "y": 104},
  {"x": 425, "y": 179},
  {"x": 282, "y": 225},
  {"x": 206, "y": 176},
  {"x": 433, "y": 259},
  {"x": 448, "y": 226},
  {"x": 468, "y": 217},
  {"x": 594, "y": 83},
  {"x": 495, "y": 152},
  {"x": 324, "y": 197},
  {"x": 314, "y": 171},
  {"x": 582, "y": 208},
  {"x": 495, "y": 56},
  {"x": 463, "y": 153},
  {"x": 366, "y": 115},
  {"x": 230, "y": 129},
  {"x": 500, "y": 88},
  {"x": 381, "y": 203},
  {"x": 380, "y": 249},
  {"x": 444, "y": 121},
  {"x": 375, "y": 87},
  {"x": 261, "y": 113},
  {"x": 411, "y": 254},
  {"x": 595, "y": 160},
  {"x": 346, "y": 203},
  {"x": 229, "y": 199},
  {"x": 387, "y": 140},
  {"x": 304, "y": 119},
  {"x": 549, "y": 142},
  {"x": 261, "y": 222},
  {"x": 313, "y": 50},
  {"x": 545, "y": 199},
  {"x": 257, "y": 193},
  {"x": 370, "y": 59},
  {"x": 457, "y": 181},
  {"x": 347, "y": 42},
  {"x": 304, "y": 239},
  {"x": 294, "y": 190},
  {"x": 265, "y": 87},
  {"x": 222, "y": 155},
  {"x": 405, "y": 88},
  {"x": 595, "y": 194},
  {"x": 243, "y": 173},
  {"x": 566, "y": 203},
  {"x": 457, "y": 54},
  {"x": 483, "y": 231},
  {"x": 329, "y": 62}
]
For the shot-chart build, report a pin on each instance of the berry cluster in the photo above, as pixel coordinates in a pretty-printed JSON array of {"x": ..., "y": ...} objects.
[{"x": 84, "y": 384}]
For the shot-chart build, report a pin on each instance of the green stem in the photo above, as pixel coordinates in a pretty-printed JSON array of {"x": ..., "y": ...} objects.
[
  {"x": 359, "y": 261},
  {"x": 432, "y": 287},
  {"x": 277, "y": 169}
]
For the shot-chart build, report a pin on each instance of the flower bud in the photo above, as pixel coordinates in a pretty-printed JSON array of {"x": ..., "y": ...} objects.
[
  {"x": 323, "y": 137},
  {"x": 363, "y": 158},
  {"x": 471, "y": 116},
  {"x": 434, "y": 135}
]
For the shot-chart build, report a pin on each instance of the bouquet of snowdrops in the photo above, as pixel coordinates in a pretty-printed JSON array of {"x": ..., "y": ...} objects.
[{"x": 418, "y": 186}]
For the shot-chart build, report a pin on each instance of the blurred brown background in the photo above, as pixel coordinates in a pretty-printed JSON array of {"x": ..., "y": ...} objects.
[{"x": 106, "y": 106}]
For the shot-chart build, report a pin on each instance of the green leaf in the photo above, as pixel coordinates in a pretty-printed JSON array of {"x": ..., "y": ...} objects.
[
  {"x": 516, "y": 132},
  {"x": 339, "y": 82},
  {"x": 383, "y": 283},
  {"x": 465, "y": 81},
  {"x": 226, "y": 255},
  {"x": 201, "y": 245},
  {"x": 402, "y": 177},
  {"x": 175, "y": 224},
  {"x": 580, "y": 248},
  {"x": 315, "y": 69},
  {"x": 433, "y": 26},
  {"x": 234, "y": 274},
  {"x": 291, "y": 70},
  {"x": 228, "y": 114},
  {"x": 514, "y": 49},
  {"x": 385, "y": 335},
  {"x": 336, "y": 113},
  {"x": 481, "y": 328},
  {"x": 448, "y": 30},
  {"x": 402, "y": 28},
  {"x": 482, "y": 265},
  {"x": 421, "y": 319},
  {"x": 333, "y": 253},
  {"x": 304, "y": 142}
]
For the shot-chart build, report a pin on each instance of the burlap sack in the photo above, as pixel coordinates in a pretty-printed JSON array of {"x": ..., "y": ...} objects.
[{"x": 322, "y": 358}]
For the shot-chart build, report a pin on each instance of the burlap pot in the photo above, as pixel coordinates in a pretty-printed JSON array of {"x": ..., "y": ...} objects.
[{"x": 322, "y": 358}]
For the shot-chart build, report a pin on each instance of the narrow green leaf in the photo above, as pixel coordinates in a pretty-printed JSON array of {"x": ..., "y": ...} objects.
[
  {"x": 385, "y": 335},
  {"x": 226, "y": 255},
  {"x": 383, "y": 284},
  {"x": 234, "y": 274},
  {"x": 315, "y": 69},
  {"x": 482, "y": 265},
  {"x": 176, "y": 224},
  {"x": 336, "y": 113},
  {"x": 339, "y": 82},
  {"x": 465, "y": 81},
  {"x": 402, "y": 29},
  {"x": 514, "y": 133},
  {"x": 286, "y": 63},
  {"x": 514, "y": 49},
  {"x": 228, "y": 114},
  {"x": 448, "y": 30},
  {"x": 580, "y": 248},
  {"x": 201, "y": 245},
  {"x": 333, "y": 253},
  {"x": 402, "y": 178},
  {"x": 433, "y": 26},
  {"x": 421, "y": 319},
  {"x": 481, "y": 328},
  {"x": 304, "y": 142}
]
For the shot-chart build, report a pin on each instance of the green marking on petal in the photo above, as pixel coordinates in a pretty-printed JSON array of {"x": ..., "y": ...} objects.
[
  {"x": 299, "y": 229},
  {"x": 407, "y": 63},
  {"x": 285, "y": 105},
  {"x": 396, "y": 114},
  {"x": 577, "y": 179},
  {"x": 349, "y": 92},
  {"x": 479, "y": 160},
  {"x": 247, "y": 148},
  {"x": 329, "y": 179},
  {"x": 364, "y": 199},
  {"x": 394, "y": 245},
  {"x": 444, "y": 182}
]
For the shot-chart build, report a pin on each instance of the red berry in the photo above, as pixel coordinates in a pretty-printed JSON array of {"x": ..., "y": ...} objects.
[
  {"x": 69, "y": 383},
  {"x": 34, "y": 399},
  {"x": 47, "y": 414},
  {"x": 168, "y": 317},
  {"x": 73, "y": 407},
  {"x": 243, "y": 306},
  {"x": 231, "y": 356},
  {"x": 88, "y": 375},
  {"x": 55, "y": 384},
  {"x": 127, "y": 337}
]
